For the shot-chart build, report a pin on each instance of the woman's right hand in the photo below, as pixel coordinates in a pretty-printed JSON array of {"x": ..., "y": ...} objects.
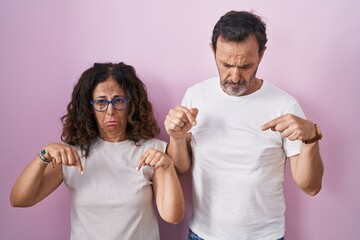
[
  {"x": 155, "y": 159},
  {"x": 64, "y": 154},
  {"x": 39, "y": 179}
]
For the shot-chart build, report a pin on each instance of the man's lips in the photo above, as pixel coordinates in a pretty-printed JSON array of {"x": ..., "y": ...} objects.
[{"x": 233, "y": 85}]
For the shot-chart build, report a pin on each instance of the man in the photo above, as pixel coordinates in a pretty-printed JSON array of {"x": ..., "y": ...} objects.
[{"x": 235, "y": 132}]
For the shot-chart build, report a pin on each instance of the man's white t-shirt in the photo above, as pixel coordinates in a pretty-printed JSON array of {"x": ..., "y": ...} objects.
[{"x": 238, "y": 169}]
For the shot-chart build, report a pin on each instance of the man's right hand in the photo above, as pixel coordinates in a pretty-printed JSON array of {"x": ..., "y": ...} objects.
[{"x": 179, "y": 121}]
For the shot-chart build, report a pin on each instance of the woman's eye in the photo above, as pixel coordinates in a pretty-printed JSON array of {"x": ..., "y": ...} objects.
[
  {"x": 118, "y": 100},
  {"x": 101, "y": 102}
]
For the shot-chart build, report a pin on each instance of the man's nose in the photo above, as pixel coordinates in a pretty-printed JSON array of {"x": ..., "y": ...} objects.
[{"x": 235, "y": 75}]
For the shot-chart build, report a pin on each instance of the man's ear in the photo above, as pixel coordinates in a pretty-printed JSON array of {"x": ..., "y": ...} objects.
[
  {"x": 212, "y": 49},
  {"x": 262, "y": 54}
]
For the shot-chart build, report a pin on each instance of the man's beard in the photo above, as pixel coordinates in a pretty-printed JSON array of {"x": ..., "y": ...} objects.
[{"x": 241, "y": 87}]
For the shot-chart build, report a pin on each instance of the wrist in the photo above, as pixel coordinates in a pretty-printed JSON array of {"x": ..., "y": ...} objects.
[
  {"x": 44, "y": 156},
  {"x": 170, "y": 165},
  {"x": 179, "y": 139},
  {"x": 317, "y": 137}
]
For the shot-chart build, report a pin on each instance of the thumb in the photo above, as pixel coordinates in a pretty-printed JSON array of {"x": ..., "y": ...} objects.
[
  {"x": 194, "y": 112},
  {"x": 79, "y": 166}
]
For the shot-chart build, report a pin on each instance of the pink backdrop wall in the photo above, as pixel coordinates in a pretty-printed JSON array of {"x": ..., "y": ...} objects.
[{"x": 313, "y": 53}]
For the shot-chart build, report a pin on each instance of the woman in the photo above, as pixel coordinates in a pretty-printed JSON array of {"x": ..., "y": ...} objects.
[{"x": 109, "y": 132}]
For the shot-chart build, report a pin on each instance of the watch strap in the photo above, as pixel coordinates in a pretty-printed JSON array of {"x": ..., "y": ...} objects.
[{"x": 317, "y": 137}]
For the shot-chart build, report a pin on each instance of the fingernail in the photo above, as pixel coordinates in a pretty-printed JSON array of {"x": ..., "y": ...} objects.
[
  {"x": 82, "y": 172},
  {"x": 137, "y": 168}
]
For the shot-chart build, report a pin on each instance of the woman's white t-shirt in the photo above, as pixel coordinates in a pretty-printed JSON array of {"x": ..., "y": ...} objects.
[{"x": 112, "y": 200}]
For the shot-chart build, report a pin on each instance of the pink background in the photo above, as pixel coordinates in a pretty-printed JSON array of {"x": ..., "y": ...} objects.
[{"x": 313, "y": 53}]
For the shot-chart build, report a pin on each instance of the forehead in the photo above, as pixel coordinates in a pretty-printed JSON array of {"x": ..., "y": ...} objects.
[
  {"x": 108, "y": 88},
  {"x": 248, "y": 48}
]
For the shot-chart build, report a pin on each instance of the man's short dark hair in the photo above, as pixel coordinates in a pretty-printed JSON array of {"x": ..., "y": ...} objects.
[{"x": 237, "y": 26}]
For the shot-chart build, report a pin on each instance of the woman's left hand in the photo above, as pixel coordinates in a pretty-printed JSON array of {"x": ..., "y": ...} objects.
[{"x": 155, "y": 159}]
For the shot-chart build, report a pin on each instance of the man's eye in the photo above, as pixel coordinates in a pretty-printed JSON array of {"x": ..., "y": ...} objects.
[{"x": 246, "y": 67}]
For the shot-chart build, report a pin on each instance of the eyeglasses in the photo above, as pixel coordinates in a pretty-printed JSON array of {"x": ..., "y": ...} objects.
[{"x": 119, "y": 103}]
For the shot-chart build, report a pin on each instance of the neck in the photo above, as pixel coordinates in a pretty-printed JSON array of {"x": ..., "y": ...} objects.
[
  {"x": 113, "y": 137},
  {"x": 255, "y": 86}
]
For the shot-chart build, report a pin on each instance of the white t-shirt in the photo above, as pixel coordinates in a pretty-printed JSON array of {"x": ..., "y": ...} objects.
[
  {"x": 238, "y": 169},
  {"x": 112, "y": 200}
]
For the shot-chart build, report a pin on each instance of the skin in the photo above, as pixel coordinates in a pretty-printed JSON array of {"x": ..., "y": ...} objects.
[
  {"x": 111, "y": 123},
  {"x": 237, "y": 64},
  {"x": 38, "y": 179}
]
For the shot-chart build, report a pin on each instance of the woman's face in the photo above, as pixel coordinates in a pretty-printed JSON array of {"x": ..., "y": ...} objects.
[{"x": 111, "y": 122}]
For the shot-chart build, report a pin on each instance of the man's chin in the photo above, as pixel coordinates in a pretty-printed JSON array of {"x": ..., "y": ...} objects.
[{"x": 234, "y": 91}]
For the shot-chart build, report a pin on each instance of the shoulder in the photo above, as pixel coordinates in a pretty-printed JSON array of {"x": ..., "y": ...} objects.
[
  {"x": 201, "y": 90},
  {"x": 277, "y": 93},
  {"x": 276, "y": 98},
  {"x": 204, "y": 84}
]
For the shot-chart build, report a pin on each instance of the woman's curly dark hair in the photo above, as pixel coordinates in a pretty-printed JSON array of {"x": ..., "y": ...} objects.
[{"x": 79, "y": 124}]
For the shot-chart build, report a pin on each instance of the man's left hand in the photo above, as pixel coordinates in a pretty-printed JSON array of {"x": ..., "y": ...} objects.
[{"x": 291, "y": 127}]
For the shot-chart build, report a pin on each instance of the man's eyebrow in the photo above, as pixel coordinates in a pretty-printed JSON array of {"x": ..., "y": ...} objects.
[
  {"x": 226, "y": 64},
  {"x": 246, "y": 65}
]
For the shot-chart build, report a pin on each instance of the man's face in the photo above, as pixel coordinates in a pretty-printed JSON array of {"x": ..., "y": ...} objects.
[{"x": 237, "y": 63}]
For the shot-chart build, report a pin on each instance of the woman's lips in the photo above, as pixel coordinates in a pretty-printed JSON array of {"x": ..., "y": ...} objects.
[{"x": 111, "y": 123}]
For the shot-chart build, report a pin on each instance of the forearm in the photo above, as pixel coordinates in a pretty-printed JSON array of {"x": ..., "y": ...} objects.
[
  {"x": 169, "y": 195},
  {"x": 34, "y": 184},
  {"x": 26, "y": 187},
  {"x": 179, "y": 150},
  {"x": 309, "y": 169}
]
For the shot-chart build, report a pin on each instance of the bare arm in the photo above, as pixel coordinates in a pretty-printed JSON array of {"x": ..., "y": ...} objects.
[
  {"x": 307, "y": 168},
  {"x": 36, "y": 182},
  {"x": 177, "y": 124},
  {"x": 180, "y": 151},
  {"x": 39, "y": 179},
  {"x": 167, "y": 189}
]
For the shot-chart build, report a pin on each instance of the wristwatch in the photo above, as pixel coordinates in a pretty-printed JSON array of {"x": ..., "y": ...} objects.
[{"x": 317, "y": 137}]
